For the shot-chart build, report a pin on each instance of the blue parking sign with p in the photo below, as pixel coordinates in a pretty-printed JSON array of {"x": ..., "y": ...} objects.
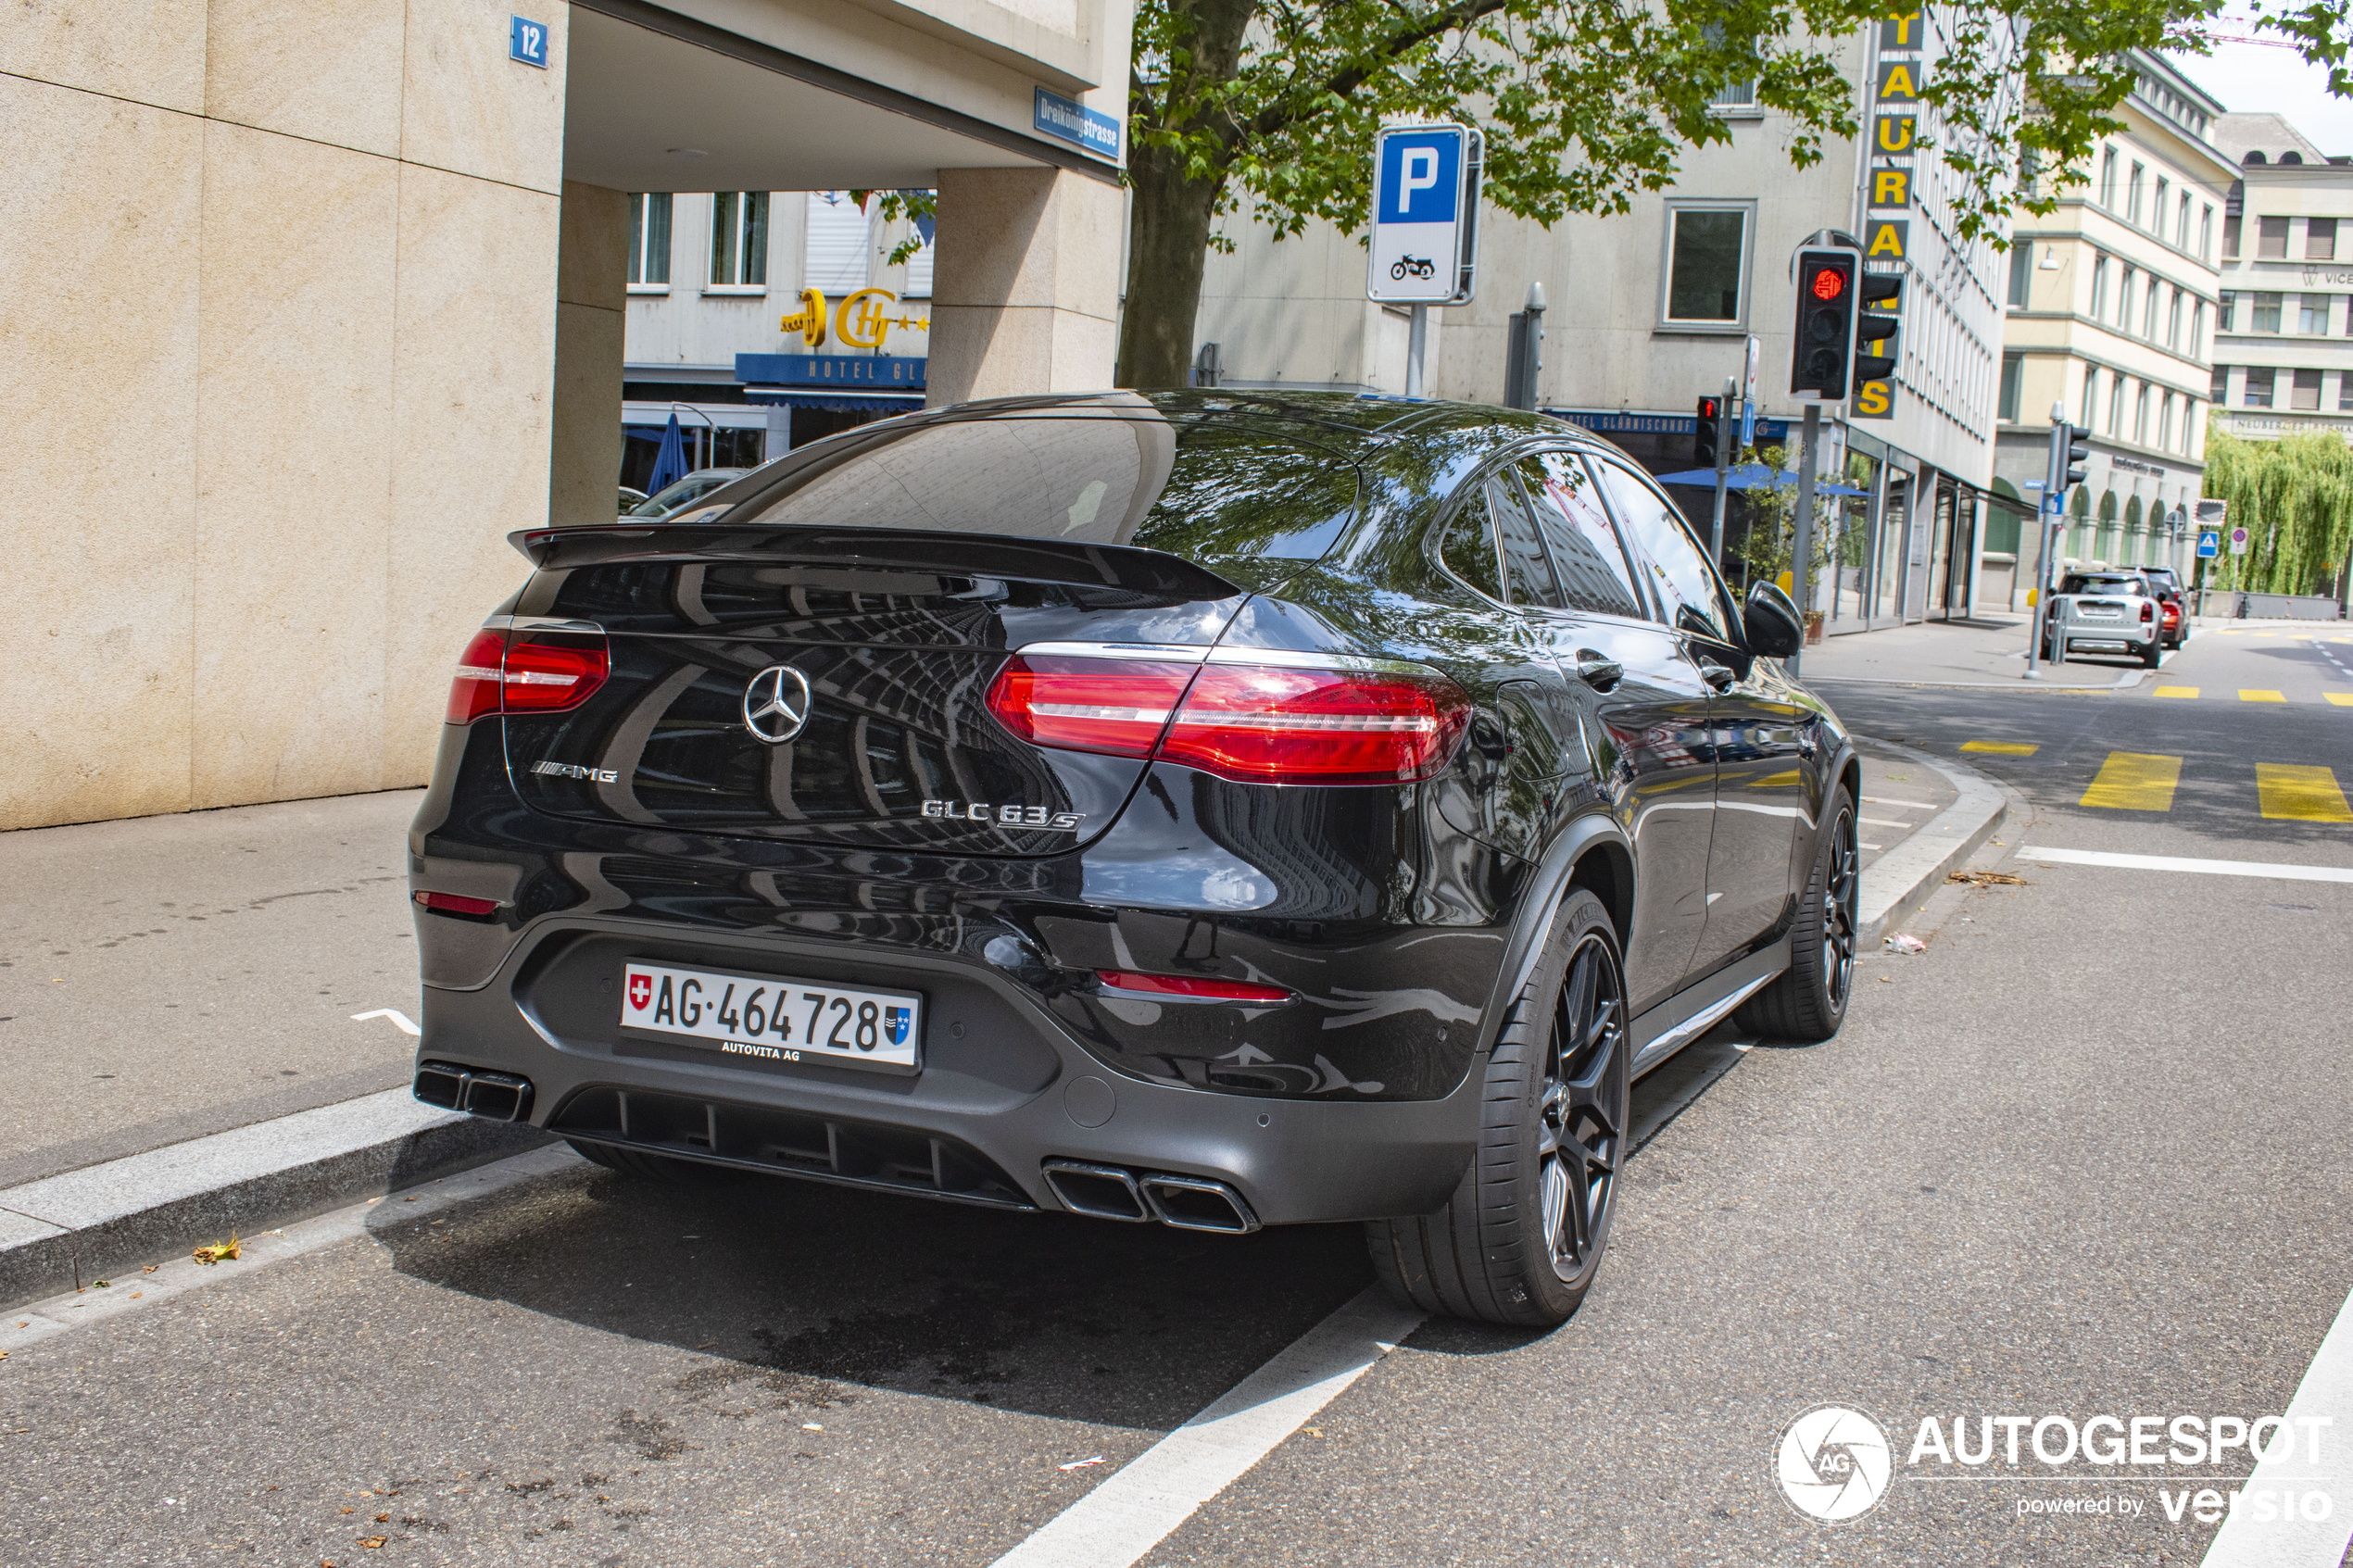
[{"x": 1420, "y": 177}]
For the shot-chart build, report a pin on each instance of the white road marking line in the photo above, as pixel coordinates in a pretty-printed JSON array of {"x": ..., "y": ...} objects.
[
  {"x": 2325, "y": 1399},
  {"x": 1891, "y": 800},
  {"x": 1883, "y": 823},
  {"x": 1874, "y": 847},
  {"x": 1133, "y": 1511},
  {"x": 400, "y": 1020},
  {"x": 2182, "y": 863}
]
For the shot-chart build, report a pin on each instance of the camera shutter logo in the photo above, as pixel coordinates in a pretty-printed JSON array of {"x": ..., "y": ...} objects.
[
  {"x": 1834, "y": 1463},
  {"x": 776, "y": 704}
]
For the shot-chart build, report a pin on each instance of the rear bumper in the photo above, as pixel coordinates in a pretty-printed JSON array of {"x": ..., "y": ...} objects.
[{"x": 1003, "y": 1090}]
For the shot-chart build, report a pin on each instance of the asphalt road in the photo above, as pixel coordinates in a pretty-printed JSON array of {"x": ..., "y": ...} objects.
[{"x": 2085, "y": 1155}]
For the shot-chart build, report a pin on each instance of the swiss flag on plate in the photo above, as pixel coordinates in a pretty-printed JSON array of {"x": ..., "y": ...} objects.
[{"x": 641, "y": 991}]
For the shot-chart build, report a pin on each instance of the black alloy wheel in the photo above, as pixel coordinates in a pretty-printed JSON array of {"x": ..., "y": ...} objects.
[
  {"x": 1521, "y": 1240},
  {"x": 1808, "y": 1002}
]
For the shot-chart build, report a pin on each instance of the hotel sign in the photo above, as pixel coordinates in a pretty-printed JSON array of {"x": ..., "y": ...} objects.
[{"x": 850, "y": 372}]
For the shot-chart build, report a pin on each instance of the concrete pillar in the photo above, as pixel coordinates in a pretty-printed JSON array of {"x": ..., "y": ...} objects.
[
  {"x": 1026, "y": 292},
  {"x": 592, "y": 295}
]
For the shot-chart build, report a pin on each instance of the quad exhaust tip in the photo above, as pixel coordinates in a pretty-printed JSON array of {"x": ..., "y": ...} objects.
[
  {"x": 495, "y": 1097},
  {"x": 1186, "y": 1203}
]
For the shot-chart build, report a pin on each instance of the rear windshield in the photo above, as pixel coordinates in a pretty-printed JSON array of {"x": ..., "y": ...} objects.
[
  {"x": 2101, "y": 585},
  {"x": 1202, "y": 489}
]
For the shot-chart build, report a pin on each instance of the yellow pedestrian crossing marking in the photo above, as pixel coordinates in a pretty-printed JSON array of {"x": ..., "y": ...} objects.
[
  {"x": 2177, "y": 691},
  {"x": 2249, "y": 694},
  {"x": 2130, "y": 781},
  {"x": 2002, "y": 748},
  {"x": 2303, "y": 795},
  {"x": 2343, "y": 699}
]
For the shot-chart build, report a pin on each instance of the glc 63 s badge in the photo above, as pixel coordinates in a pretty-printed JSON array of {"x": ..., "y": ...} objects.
[{"x": 1006, "y": 816}]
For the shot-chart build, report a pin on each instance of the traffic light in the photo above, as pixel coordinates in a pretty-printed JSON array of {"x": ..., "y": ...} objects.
[
  {"x": 1706, "y": 429},
  {"x": 2078, "y": 452},
  {"x": 1871, "y": 331},
  {"x": 1823, "y": 340}
]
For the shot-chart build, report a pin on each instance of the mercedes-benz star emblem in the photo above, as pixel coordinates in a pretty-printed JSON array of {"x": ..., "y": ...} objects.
[{"x": 776, "y": 704}]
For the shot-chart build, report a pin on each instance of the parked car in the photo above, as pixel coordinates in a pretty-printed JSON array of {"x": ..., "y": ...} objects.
[
  {"x": 677, "y": 497},
  {"x": 1201, "y": 808},
  {"x": 631, "y": 497},
  {"x": 2115, "y": 612},
  {"x": 2173, "y": 627}
]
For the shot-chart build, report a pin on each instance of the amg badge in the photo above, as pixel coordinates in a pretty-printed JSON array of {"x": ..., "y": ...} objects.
[
  {"x": 1006, "y": 816},
  {"x": 574, "y": 771}
]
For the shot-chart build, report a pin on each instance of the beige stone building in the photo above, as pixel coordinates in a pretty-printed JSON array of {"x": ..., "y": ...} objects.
[
  {"x": 2283, "y": 361},
  {"x": 313, "y": 306},
  {"x": 2113, "y": 302}
]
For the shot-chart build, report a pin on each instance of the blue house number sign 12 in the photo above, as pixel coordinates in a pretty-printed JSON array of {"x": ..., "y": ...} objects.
[{"x": 527, "y": 42}]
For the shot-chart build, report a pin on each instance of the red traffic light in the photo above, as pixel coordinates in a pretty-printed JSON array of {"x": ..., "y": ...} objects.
[
  {"x": 1828, "y": 283},
  {"x": 1708, "y": 407}
]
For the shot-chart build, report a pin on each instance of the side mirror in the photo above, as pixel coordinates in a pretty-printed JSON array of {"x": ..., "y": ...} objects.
[{"x": 1771, "y": 622}]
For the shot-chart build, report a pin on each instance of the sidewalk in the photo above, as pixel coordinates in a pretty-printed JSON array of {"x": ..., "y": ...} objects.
[{"x": 1987, "y": 651}]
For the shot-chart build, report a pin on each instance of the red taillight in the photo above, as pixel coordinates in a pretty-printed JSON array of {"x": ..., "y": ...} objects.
[
  {"x": 1115, "y": 705},
  {"x": 1265, "y": 723},
  {"x": 1185, "y": 985},
  {"x": 2148, "y": 610},
  {"x": 457, "y": 904},
  {"x": 1258, "y": 723},
  {"x": 536, "y": 674}
]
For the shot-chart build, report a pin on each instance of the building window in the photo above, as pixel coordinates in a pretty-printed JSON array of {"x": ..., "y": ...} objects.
[
  {"x": 1706, "y": 282},
  {"x": 2306, "y": 394},
  {"x": 2267, "y": 312},
  {"x": 2221, "y": 390},
  {"x": 2344, "y": 392},
  {"x": 649, "y": 238},
  {"x": 2091, "y": 395},
  {"x": 2114, "y": 402},
  {"x": 2230, "y": 238},
  {"x": 2125, "y": 301},
  {"x": 2259, "y": 387},
  {"x": 739, "y": 240},
  {"x": 2312, "y": 314},
  {"x": 2165, "y": 422},
  {"x": 2133, "y": 196},
  {"x": 2173, "y": 324},
  {"x": 2021, "y": 271},
  {"x": 2013, "y": 383},
  {"x": 2107, "y": 180},
  {"x": 1739, "y": 96},
  {"x": 839, "y": 244},
  {"x": 2141, "y": 417},
  {"x": 2225, "y": 310},
  {"x": 2205, "y": 229},
  {"x": 2099, "y": 289},
  {"x": 2270, "y": 239},
  {"x": 2197, "y": 331},
  {"x": 2182, "y": 225},
  {"x": 2157, "y": 208},
  {"x": 2148, "y": 311},
  {"x": 2320, "y": 239}
]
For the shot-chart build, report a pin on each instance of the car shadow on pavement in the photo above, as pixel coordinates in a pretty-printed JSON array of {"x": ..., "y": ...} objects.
[{"x": 813, "y": 1292}]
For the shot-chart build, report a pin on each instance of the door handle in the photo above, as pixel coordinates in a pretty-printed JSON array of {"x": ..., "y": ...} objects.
[
  {"x": 1718, "y": 679},
  {"x": 1596, "y": 671}
]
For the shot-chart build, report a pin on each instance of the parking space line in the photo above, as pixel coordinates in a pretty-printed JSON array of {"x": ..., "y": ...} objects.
[
  {"x": 2184, "y": 863},
  {"x": 2176, "y": 691},
  {"x": 2002, "y": 748},
  {"x": 1159, "y": 1489},
  {"x": 2251, "y": 694},
  {"x": 2321, "y": 1398},
  {"x": 2299, "y": 793},
  {"x": 2130, "y": 781}
]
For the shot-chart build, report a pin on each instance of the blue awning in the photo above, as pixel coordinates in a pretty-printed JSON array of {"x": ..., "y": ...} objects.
[{"x": 837, "y": 402}]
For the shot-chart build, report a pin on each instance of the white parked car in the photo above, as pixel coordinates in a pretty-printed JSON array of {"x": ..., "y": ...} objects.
[{"x": 2111, "y": 612}]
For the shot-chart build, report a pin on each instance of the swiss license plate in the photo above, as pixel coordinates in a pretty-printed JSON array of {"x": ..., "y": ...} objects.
[{"x": 774, "y": 1019}]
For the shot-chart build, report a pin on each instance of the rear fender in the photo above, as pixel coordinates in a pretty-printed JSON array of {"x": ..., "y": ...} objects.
[{"x": 1568, "y": 865}]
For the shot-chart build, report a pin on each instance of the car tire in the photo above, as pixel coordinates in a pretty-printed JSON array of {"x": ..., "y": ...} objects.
[
  {"x": 653, "y": 1167},
  {"x": 1521, "y": 1240},
  {"x": 2149, "y": 659},
  {"x": 1808, "y": 1002}
]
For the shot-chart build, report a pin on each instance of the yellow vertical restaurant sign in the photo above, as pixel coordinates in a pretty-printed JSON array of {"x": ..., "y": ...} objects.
[{"x": 1890, "y": 192}]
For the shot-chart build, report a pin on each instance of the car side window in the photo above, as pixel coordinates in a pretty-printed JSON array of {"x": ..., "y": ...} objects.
[
  {"x": 1595, "y": 575},
  {"x": 1528, "y": 570},
  {"x": 1468, "y": 549},
  {"x": 1693, "y": 599}
]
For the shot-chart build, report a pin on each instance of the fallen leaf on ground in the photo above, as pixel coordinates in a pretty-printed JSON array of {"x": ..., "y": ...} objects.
[
  {"x": 1987, "y": 879},
  {"x": 220, "y": 1250},
  {"x": 372, "y": 1542},
  {"x": 383, "y": 1518}
]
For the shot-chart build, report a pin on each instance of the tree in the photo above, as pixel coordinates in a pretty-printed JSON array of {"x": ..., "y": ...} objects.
[
  {"x": 1272, "y": 105},
  {"x": 2295, "y": 498}
]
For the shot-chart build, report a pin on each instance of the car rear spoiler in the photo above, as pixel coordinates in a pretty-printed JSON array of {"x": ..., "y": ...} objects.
[{"x": 946, "y": 554}]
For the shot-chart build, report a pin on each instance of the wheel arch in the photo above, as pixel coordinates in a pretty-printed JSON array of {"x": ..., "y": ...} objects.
[{"x": 1589, "y": 854}]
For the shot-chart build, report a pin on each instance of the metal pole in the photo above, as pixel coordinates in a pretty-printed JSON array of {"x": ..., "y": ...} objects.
[
  {"x": 1723, "y": 473},
  {"x": 2053, "y": 472},
  {"x": 1802, "y": 558},
  {"x": 1417, "y": 340}
]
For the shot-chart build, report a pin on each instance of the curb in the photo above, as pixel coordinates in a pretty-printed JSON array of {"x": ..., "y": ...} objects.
[
  {"x": 1938, "y": 846},
  {"x": 64, "y": 1231}
]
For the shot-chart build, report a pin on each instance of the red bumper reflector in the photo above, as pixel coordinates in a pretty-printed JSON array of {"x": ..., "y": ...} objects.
[
  {"x": 456, "y": 904},
  {"x": 1186, "y": 986}
]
